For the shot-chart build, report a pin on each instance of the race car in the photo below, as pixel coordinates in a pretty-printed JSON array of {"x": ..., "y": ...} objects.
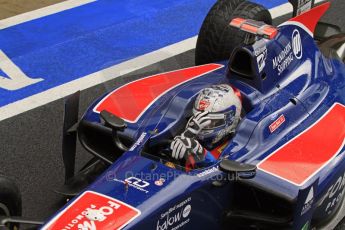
[{"x": 284, "y": 167}]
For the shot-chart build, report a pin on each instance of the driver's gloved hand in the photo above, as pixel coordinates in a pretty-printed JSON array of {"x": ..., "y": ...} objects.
[
  {"x": 183, "y": 146},
  {"x": 196, "y": 123}
]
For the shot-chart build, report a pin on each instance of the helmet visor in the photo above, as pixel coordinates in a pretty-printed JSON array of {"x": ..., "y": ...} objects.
[
  {"x": 217, "y": 120},
  {"x": 215, "y": 123}
]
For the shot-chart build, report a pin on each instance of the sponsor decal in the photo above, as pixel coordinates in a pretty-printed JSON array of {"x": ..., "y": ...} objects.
[
  {"x": 308, "y": 201},
  {"x": 334, "y": 195},
  {"x": 284, "y": 59},
  {"x": 138, "y": 142},
  {"x": 176, "y": 217},
  {"x": 203, "y": 104},
  {"x": 92, "y": 211},
  {"x": 277, "y": 123},
  {"x": 304, "y": 206},
  {"x": 208, "y": 171},
  {"x": 135, "y": 183},
  {"x": 260, "y": 51},
  {"x": 95, "y": 214},
  {"x": 291, "y": 51},
  {"x": 160, "y": 182},
  {"x": 297, "y": 44}
]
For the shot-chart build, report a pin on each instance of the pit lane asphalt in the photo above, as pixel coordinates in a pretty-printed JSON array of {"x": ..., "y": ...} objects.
[{"x": 30, "y": 143}]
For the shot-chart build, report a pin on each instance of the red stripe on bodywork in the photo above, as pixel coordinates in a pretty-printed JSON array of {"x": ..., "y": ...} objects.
[
  {"x": 310, "y": 151},
  {"x": 310, "y": 18},
  {"x": 131, "y": 100}
]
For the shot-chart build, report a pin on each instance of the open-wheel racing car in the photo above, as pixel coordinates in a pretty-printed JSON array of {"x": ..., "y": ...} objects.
[{"x": 284, "y": 168}]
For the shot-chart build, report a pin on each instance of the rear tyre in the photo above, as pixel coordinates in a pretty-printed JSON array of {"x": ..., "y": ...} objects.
[
  {"x": 10, "y": 200},
  {"x": 217, "y": 39}
]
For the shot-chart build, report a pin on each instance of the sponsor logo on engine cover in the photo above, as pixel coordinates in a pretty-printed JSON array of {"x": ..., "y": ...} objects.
[
  {"x": 176, "y": 217},
  {"x": 334, "y": 195},
  {"x": 94, "y": 211},
  {"x": 297, "y": 44},
  {"x": 260, "y": 51},
  {"x": 291, "y": 51},
  {"x": 284, "y": 59}
]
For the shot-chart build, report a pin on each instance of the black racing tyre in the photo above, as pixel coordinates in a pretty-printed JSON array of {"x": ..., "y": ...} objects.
[
  {"x": 217, "y": 39},
  {"x": 211, "y": 30},
  {"x": 10, "y": 200}
]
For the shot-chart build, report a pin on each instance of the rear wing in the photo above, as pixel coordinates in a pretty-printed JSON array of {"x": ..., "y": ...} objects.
[
  {"x": 301, "y": 6},
  {"x": 255, "y": 27}
]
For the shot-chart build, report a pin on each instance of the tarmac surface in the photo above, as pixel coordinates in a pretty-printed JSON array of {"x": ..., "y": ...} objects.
[
  {"x": 30, "y": 143},
  {"x": 9, "y": 8}
]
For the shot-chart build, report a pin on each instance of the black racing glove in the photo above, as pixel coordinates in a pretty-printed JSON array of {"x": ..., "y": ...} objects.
[
  {"x": 183, "y": 146},
  {"x": 196, "y": 123}
]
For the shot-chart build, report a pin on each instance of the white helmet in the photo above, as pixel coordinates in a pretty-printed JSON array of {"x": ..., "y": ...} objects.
[{"x": 224, "y": 108}]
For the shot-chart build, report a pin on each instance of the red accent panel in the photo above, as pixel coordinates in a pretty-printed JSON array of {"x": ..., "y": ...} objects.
[
  {"x": 310, "y": 151},
  {"x": 310, "y": 18},
  {"x": 131, "y": 101},
  {"x": 94, "y": 211}
]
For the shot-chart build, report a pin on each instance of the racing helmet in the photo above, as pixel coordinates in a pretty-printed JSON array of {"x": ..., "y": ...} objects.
[{"x": 224, "y": 108}]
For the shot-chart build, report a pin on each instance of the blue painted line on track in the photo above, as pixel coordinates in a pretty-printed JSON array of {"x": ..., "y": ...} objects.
[
  {"x": 270, "y": 3},
  {"x": 71, "y": 44}
]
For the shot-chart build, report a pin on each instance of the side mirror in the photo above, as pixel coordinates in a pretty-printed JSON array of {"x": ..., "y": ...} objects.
[
  {"x": 113, "y": 121},
  {"x": 116, "y": 124},
  {"x": 243, "y": 171}
]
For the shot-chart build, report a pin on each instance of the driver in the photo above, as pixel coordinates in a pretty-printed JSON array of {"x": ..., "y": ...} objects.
[{"x": 216, "y": 114}]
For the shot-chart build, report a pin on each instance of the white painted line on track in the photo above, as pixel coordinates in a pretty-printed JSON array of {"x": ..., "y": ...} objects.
[
  {"x": 281, "y": 10},
  {"x": 96, "y": 78},
  {"x": 42, "y": 12},
  {"x": 69, "y": 4}
]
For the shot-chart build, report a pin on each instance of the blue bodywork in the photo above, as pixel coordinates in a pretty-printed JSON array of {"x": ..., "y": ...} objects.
[{"x": 302, "y": 89}]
